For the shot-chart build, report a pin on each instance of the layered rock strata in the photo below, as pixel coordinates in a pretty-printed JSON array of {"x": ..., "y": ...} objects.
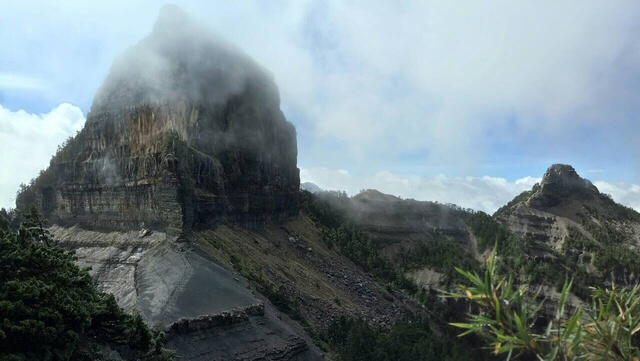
[{"x": 185, "y": 131}]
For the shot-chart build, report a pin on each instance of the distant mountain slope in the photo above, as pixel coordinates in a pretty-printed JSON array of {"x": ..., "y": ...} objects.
[
  {"x": 570, "y": 216},
  {"x": 396, "y": 224},
  {"x": 562, "y": 227},
  {"x": 423, "y": 240}
]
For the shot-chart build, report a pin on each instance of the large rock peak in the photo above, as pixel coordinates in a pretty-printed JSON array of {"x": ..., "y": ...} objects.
[
  {"x": 564, "y": 178},
  {"x": 186, "y": 130}
]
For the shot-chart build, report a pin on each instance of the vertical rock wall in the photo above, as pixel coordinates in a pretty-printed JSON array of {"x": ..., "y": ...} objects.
[{"x": 186, "y": 131}]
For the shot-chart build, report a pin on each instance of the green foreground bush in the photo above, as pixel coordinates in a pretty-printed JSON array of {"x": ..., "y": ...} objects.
[
  {"x": 515, "y": 326},
  {"x": 50, "y": 309}
]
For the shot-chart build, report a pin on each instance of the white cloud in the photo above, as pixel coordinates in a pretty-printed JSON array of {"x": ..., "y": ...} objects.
[
  {"x": 623, "y": 193},
  {"x": 481, "y": 193},
  {"x": 439, "y": 75},
  {"x": 27, "y": 142}
]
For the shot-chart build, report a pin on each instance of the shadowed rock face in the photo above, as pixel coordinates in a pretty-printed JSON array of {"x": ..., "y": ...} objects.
[
  {"x": 185, "y": 131},
  {"x": 561, "y": 201},
  {"x": 561, "y": 182}
]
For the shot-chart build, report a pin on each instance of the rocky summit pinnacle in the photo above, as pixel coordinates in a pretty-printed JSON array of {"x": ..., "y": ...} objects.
[
  {"x": 185, "y": 131},
  {"x": 561, "y": 186},
  {"x": 564, "y": 178}
]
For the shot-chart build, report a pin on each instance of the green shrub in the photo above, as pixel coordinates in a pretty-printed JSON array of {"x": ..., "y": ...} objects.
[
  {"x": 443, "y": 255},
  {"x": 354, "y": 340},
  {"x": 514, "y": 326},
  {"x": 50, "y": 310}
]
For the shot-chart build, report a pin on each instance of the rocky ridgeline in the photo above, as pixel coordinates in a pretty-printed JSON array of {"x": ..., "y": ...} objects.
[
  {"x": 185, "y": 131},
  {"x": 397, "y": 225}
]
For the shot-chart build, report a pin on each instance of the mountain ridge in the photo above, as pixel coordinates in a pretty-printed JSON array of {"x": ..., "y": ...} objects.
[{"x": 182, "y": 194}]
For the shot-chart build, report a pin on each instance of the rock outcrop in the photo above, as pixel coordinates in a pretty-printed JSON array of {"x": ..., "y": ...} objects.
[
  {"x": 310, "y": 187},
  {"x": 561, "y": 188},
  {"x": 185, "y": 134},
  {"x": 255, "y": 332},
  {"x": 186, "y": 131}
]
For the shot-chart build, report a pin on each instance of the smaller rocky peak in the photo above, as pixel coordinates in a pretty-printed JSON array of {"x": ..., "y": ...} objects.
[
  {"x": 562, "y": 188},
  {"x": 562, "y": 178}
]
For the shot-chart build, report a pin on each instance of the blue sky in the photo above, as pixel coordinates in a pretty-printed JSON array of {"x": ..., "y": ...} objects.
[{"x": 451, "y": 101}]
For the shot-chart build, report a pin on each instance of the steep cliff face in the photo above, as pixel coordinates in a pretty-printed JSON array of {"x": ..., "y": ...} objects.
[{"x": 185, "y": 131}]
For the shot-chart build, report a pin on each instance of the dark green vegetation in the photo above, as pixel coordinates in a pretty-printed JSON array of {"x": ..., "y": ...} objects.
[
  {"x": 50, "y": 310},
  {"x": 356, "y": 245},
  {"x": 610, "y": 252},
  {"x": 489, "y": 233},
  {"x": 5, "y": 225},
  {"x": 443, "y": 256},
  {"x": 611, "y": 247},
  {"x": 355, "y": 340},
  {"x": 515, "y": 256}
]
